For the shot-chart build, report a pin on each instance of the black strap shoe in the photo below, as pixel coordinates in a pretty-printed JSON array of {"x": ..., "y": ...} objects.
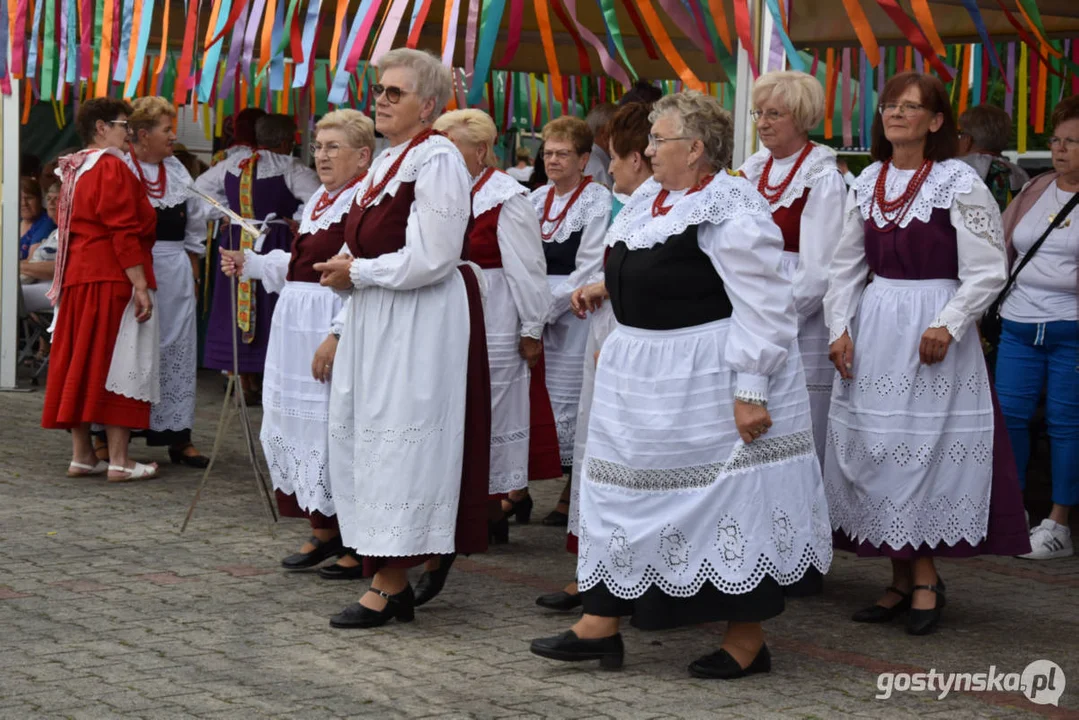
[
  {"x": 561, "y": 600},
  {"x": 721, "y": 665},
  {"x": 337, "y": 571},
  {"x": 570, "y": 648},
  {"x": 400, "y": 607},
  {"x": 881, "y": 614},
  {"x": 324, "y": 549},
  {"x": 431, "y": 582},
  {"x": 521, "y": 509},
  {"x": 923, "y": 622}
]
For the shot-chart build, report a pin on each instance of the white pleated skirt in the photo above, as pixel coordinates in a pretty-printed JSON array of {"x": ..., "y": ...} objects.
[
  {"x": 175, "y": 308},
  {"x": 563, "y": 350},
  {"x": 670, "y": 495},
  {"x": 819, "y": 371},
  {"x": 603, "y": 323},
  {"x": 295, "y": 406},
  {"x": 910, "y": 446},
  {"x": 510, "y": 377},
  {"x": 397, "y": 409}
]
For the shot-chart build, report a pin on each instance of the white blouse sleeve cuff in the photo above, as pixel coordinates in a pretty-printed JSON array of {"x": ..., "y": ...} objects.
[
  {"x": 750, "y": 387},
  {"x": 253, "y": 265},
  {"x": 357, "y": 274},
  {"x": 532, "y": 330}
]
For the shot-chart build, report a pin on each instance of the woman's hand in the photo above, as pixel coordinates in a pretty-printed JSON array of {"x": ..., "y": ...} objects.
[
  {"x": 144, "y": 305},
  {"x": 322, "y": 364},
  {"x": 588, "y": 298},
  {"x": 934, "y": 347},
  {"x": 335, "y": 273},
  {"x": 530, "y": 349},
  {"x": 751, "y": 420},
  {"x": 232, "y": 262},
  {"x": 842, "y": 356}
]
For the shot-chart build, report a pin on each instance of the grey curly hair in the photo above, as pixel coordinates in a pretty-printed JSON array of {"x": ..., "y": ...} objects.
[
  {"x": 433, "y": 79},
  {"x": 703, "y": 118}
]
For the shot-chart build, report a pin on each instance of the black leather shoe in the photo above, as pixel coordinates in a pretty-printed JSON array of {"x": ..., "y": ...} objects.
[
  {"x": 570, "y": 648},
  {"x": 521, "y": 509},
  {"x": 340, "y": 572},
  {"x": 923, "y": 622},
  {"x": 560, "y": 600},
  {"x": 324, "y": 549},
  {"x": 177, "y": 456},
  {"x": 881, "y": 614},
  {"x": 431, "y": 582},
  {"x": 400, "y": 606},
  {"x": 721, "y": 665},
  {"x": 498, "y": 531},
  {"x": 556, "y": 519}
]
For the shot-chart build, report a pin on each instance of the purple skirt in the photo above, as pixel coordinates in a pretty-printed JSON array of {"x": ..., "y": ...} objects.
[{"x": 1006, "y": 533}]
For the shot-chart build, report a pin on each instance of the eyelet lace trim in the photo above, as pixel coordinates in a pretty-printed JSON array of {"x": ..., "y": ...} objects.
[
  {"x": 410, "y": 168},
  {"x": 499, "y": 188},
  {"x": 446, "y": 213},
  {"x": 270, "y": 164},
  {"x": 983, "y": 222},
  {"x": 724, "y": 198},
  {"x": 818, "y": 164},
  {"x": 176, "y": 187},
  {"x": 333, "y": 214},
  {"x": 301, "y": 471},
  {"x": 176, "y": 408},
  {"x": 947, "y": 179},
  {"x": 594, "y": 202}
]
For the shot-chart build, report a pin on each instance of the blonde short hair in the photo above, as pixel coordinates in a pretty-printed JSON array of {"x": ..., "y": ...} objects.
[
  {"x": 802, "y": 95},
  {"x": 476, "y": 126},
  {"x": 702, "y": 118},
  {"x": 571, "y": 129},
  {"x": 357, "y": 127},
  {"x": 146, "y": 112},
  {"x": 433, "y": 79}
]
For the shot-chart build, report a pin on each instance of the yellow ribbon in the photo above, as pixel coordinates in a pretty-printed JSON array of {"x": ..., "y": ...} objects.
[
  {"x": 1021, "y": 99},
  {"x": 245, "y": 296}
]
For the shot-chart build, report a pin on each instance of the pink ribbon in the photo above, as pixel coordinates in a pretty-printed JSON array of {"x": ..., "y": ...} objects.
[
  {"x": 848, "y": 132},
  {"x": 249, "y": 36},
  {"x": 472, "y": 29},
  {"x": 454, "y": 9},
  {"x": 389, "y": 30},
  {"x": 611, "y": 67},
  {"x": 685, "y": 23},
  {"x": 365, "y": 32}
]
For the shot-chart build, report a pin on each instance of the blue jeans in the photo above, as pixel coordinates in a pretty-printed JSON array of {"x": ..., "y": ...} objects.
[{"x": 1034, "y": 357}]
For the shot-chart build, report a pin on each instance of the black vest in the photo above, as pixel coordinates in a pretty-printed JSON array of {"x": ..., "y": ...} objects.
[
  {"x": 668, "y": 286},
  {"x": 562, "y": 256},
  {"x": 171, "y": 223}
]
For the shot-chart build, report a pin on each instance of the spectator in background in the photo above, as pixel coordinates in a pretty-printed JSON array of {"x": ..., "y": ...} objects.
[
  {"x": 848, "y": 176},
  {"x": 641, "y": 92},
  {"x": 984, "y": 134},
  {"x": 34, "y": 224},
  {"x": 41, "y": 263},
  {"x": 189, "y": 160},
  {"x": 598, "y": 119},
  {"x": 1039, "y": 340},
  {"x": 29, "y": 165},
  {"x": 539, "y": 171},
  {"x": 522, "y": 171}
]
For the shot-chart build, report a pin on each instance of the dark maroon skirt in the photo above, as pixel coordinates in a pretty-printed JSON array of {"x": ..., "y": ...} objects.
[
  {"x": 287, "y": 506},
  {"x": 1006, "y": 533}
]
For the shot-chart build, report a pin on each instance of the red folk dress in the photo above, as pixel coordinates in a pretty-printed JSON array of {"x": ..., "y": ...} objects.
[{"x": 112, "y": 229}]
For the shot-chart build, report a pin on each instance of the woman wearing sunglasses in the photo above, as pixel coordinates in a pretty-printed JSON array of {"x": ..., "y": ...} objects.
[{"x": 410, "y": 404}]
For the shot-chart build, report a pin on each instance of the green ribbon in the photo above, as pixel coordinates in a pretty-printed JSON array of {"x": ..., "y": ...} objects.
[
  {"x": 49, "y": 50},
  {"x": 286, "y": 38},
  {"x": 610, "y": 14},
  {"x": 321, "y": 87},
  {"x": 98, "y": 14},
  {"x": 491, "y": 19}
]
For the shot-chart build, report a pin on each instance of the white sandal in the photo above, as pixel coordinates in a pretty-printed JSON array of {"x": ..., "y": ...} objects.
[
  {"x": 139, "y": 472},
  {"x": 77, "y": 469}
]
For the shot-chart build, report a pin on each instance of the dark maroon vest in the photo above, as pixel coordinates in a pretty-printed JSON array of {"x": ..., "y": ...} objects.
[
  {"x": 380, "y": 229},
  {"x": 789, "y": 220},
  {"x": 316, "y": 247},
  {"x": 920, "y": 251},
  {"x": 483, "y": 240}
]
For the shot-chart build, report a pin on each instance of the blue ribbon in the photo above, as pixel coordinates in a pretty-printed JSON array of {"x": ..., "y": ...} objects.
[
  {"x": 310, "y": 25},
  {"x": 140, "y": 52},
  {"x": 976, "y": 72},
  {"x": 339, "y": 89},
  {"x": 416, "y": 6},
  {"x": 983, "y": 33},
  {"x": 277, "y": 63},
  {"x": 777, "y": 20},
  {"x": 3, "y": 38},
  {"x": 611, "y": 49},
  {"x": 31, "y": 58},
  {"x": 73, "y": 52},
  {"x": 120, "y": 73},
  {"x": 492, "y": 18},
  {"x": 213, "y": 54},
  {"x": 865, "y": 88}
]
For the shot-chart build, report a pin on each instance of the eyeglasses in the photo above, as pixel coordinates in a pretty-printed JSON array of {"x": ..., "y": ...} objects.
[
  {"x": 656, "y": 141},
  {"x": 330, "y": 150},
  {"x": 118, "y": 122},
  {"x": 1067, "y": 143},
  {"x": 769, "y": 115},
  {"x": 558, "y": 154},
  {"x": 900, "y": 108},
  {"x": 393, "y": 93}
]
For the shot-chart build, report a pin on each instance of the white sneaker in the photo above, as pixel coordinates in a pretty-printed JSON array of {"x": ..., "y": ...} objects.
[{"x": 1050, "y": 541}]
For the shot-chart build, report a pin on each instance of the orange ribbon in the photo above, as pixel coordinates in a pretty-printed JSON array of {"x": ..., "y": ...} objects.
[
  {"x": 183, "y": 72},
  {"x": 547, "y": 38},
  {"x": 659, "y": 34},
  {"x": 925, "y": 19},
  {"x": 105, "y": 56},
  {"x": 335, "y": 44},
  {"x": 1037, "y": 33},
  {"x": 829, "y": 92},
  {"x": 722, "y": 28},
  {"x": 265, "y": 49},
  {"x": 133, "y": 46},
  {"x": 1039, "y": 97},
  {"x": 863, "y": 30},
  {"x": 160, "y": 67},
  {"x": 961, "y": 81}
]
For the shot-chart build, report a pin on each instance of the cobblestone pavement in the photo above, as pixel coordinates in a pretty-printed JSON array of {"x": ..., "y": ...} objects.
[{"x": 107, "y": 610}]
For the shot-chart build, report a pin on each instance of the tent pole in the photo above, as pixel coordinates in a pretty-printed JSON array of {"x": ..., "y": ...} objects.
[{"x": 9, "y": 246}]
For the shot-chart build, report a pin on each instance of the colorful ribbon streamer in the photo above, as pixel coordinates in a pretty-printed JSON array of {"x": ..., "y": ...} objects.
[
  {"x": 848, "y": 132},
  {"x": 310, "y": 29},
  {"x": 610, "y": 66},
  {"x": 419, "y": 16},
  {"x": 983, "y": 33},
  {"x": 745, "y": 34},
  {"x": 547, "y": 40},
  {"x": 31, "y": 61},
  {"x": 863, "y": 30},
  {"x": 513, "y": 40},
  {"x": 793, "y": 57},
  {"x": 449, "y": 31},
  {"x": 915, "y": 37},
  {"x": 492, "y": 20},
  {"x": 655, "y": 25},
  {"x": 614, "y": 30},
  {"x": 392, "y": 22},
  {"x": 638, "y": 24},
  {"x": 48, "y": 60},
  {"x": 583, "y": 62},
  {"x": 925, "y": 20},
  {"x": 341, "y": 77}
]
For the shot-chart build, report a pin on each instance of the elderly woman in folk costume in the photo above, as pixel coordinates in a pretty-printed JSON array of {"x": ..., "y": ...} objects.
[
  {"x": 181, "y": 241},
  {"x": 918, "y": 463},
  {"x": 103, "y": 365},
  {"x": 574, "y": 212},
  {"x": 504, "y": 240},
  {"x": 296, "y": 392},
  {"x": 630, "y": 167},
  {"x": 410, "y": 402},
  {"x": 268, "y": 187},
  {"x": 701, "y": 493}
]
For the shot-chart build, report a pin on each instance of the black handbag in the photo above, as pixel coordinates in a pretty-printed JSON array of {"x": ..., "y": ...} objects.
[{"x": 992, "y": 324}]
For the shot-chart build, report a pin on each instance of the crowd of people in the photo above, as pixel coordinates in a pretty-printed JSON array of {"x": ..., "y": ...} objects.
[{"x": 737, "y": 369}]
